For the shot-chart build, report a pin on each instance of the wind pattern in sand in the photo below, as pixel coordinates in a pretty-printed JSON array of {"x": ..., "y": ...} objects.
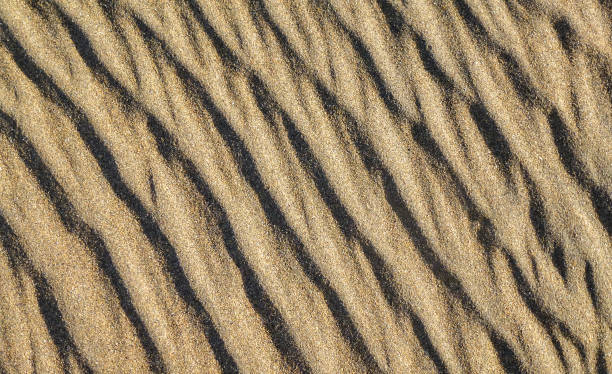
[{"x": 306, "y": 186}]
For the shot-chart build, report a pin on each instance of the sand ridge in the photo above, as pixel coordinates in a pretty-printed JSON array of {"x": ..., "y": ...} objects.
[{"x": 272, "y": 186}]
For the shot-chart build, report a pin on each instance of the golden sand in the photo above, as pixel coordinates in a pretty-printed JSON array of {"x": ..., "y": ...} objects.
[{"x": 271, "y": 186}]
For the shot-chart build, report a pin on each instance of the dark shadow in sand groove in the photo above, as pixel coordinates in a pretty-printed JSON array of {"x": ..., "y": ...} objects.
[
  {"x": 343, "y": 319},
  {"x": 346, "y": 223},
  {"x": 565, "y": 34},
  {"x": 341, "y": 216},
  {"x": 297, "y": 65},
  {"x": 572, "y": 164},
  {"x": 109, "y": 169},
  {"x": 574, "y": 167},
  {"x": 530, "y": 300},
  {"x": 374, "y": 165},
  {"x": 526, "y": 293},
  {"x": 518, "y": 79},
  {"x": 558, "y": 347},
  {"x": 46, "y": 301},
  {"x": 485, "y": 235},
  {"x": 421, "y": 334},
  {"x": 159, "y": 241},
  {"x": 602, "y": 203},
  {"x": 508, "y": 359},
  {"x": 382, "y": 273},
  {"x": 109, "y": 8},
  {"x": 421, "y": 243},
  {"x": 42, "y": 81},
  {"x": 224, "y": 52},
  {"x": 15, "y": 253},
  {"x": 536, "y": 213},
  {"x": 166, "y": 146},
  {"x": 513, "y": 70},
  {"x": 89, "y": 56},
  {"x": 430, "y": 64},
  {"x": 275, "y": 215},
  {"x": 601, "y": 362},
  {"x": 390, "y": 101},
  {"x": 558, "y": 259},
  {"x": 473, "y": 23},
  {"x": 247, "y": 168},
  {"x": 574, "y": 340},
  {"x": 56, "y": 325},
  {"x": 421, "y": 135},
  {"x": 77, "y": 226},
  {"x": 493, "y": 137},
  {"x": 394, "y": 19},
  {"x": 384, "y": 277},
  {"x": 509, "y": 63},
  {"x": 538, "y": 221},
  {"x": 486, "y": 231},
  {"x": 258, "y": 297},
  {"x": 590, "y": 283}
]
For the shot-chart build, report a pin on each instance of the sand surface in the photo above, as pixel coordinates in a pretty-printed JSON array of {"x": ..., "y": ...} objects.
[{"x": 338, "y": 186}]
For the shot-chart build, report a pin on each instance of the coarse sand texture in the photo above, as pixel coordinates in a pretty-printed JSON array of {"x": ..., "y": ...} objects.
[{"x": 306, "y": 186}]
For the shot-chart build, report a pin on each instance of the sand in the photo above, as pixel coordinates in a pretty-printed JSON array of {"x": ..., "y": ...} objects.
[{"x": 271, "y": 186}]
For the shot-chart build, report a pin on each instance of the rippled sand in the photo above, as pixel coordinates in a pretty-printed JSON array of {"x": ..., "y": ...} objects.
[{"x": 337, "y": 186}]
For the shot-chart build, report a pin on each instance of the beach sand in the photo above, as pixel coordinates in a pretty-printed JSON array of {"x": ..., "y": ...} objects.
[{"x": 271, "y": 186}]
